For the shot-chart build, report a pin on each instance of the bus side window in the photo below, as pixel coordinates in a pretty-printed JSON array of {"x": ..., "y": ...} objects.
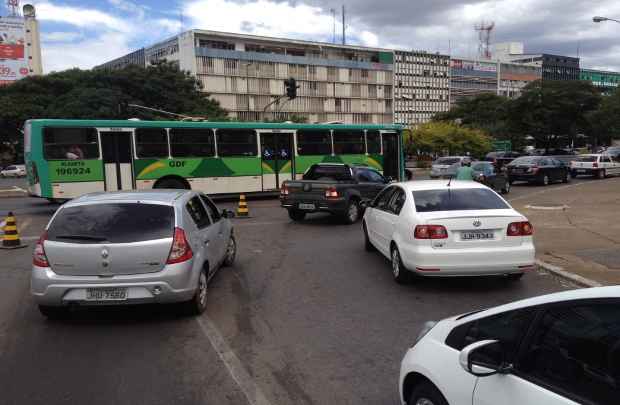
[
  {"x": 236, "y": 142},
  {"x": 349, "y": 142},
  {"x": 314, "y": 142},
  {"x": 192, "y": 142},
  {"x": 152, "y": 143},
  {"x": 70, "y": 143},
  {"x": 373, "y": 142}
]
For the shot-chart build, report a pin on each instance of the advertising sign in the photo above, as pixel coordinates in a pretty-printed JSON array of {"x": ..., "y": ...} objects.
[
  {"x": 473, "y": 65},
  {"x": 13, "y": 63}
]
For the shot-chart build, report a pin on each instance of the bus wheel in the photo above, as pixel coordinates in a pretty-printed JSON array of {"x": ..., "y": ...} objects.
[{"x": 172, "y": 183}]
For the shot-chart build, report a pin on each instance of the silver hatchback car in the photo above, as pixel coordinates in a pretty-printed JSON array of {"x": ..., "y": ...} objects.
[{"x": 155, "y": 246}]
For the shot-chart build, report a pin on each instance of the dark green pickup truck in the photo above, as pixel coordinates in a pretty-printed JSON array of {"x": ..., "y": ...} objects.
[{"x": 337, "y": 188}]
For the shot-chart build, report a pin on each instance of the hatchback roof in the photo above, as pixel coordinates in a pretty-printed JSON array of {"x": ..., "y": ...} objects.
[{"x": 159, "y": 195}]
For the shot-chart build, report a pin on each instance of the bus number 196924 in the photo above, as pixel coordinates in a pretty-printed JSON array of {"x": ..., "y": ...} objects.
[{"x": 72, "y": 171}]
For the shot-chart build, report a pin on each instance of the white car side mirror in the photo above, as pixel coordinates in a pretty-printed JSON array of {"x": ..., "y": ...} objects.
[{"x": 475, "y": 362}]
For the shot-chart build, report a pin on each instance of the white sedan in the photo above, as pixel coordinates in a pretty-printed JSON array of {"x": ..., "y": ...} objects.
[
  {"x": 441, "y": 228},
  {"x": 557, "y": 349},
  {"x": 13, "y": 171}
]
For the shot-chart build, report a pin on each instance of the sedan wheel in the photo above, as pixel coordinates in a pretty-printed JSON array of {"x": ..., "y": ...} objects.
[
  {"x": 426, "y": 394},
  {"x": 400, "y": 274},
  {"x": 231, "y": 252},
  {"x": 506, "y": 188},
  {"x": 545, "y": 180}
]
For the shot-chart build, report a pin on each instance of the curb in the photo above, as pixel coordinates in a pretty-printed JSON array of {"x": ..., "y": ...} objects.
[{"x": 560, "y": 272}]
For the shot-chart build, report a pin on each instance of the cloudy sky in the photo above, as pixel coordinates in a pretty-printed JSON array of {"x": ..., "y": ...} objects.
[{"x": 88, "y": 32}]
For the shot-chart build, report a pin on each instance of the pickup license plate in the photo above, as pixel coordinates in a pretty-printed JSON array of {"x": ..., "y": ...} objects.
[
  {"x": 303, "y": 206},
  {"x": 581, "y": 171},
  {"x": 106, "y": 294},
  {"x": 477, "y": 235}
]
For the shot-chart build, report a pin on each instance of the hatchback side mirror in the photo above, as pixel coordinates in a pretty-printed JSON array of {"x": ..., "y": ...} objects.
[
  {"x": 228, "y": 213},
  {"x": 484, "y": 358}
]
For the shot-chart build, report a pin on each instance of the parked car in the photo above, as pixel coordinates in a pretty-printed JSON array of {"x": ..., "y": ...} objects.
[
  {"x": 336, "y": 188},
  {"x": 613, "y": 152},
  {"x": 155, "y": 246},
  {"x": 556, "y": 349},
  {"x": 597, "y": 165},
  {"x": 435, "y": 228},
  {"x": 488, "y": 174},
  {"x": 13, "y": 171},
  {"x": 500, "y": 159},
  {"x": 447, "y": 166},
  {"x": 543, "y": 170}
]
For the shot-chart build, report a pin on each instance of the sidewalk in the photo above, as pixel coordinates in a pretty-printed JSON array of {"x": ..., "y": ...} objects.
[{"x": 583, "y": 237}]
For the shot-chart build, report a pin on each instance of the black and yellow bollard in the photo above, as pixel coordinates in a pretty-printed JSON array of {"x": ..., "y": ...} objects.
[
  {"x": 10, "y": 239},
  {"x": 242, "y": 210}
]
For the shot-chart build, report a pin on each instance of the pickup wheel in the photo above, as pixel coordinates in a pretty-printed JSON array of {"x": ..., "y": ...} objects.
[
  {"x": 296, "y": 215},
  {"x": 352, "y": 213}
]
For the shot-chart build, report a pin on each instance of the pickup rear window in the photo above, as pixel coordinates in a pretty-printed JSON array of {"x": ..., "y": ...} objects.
[
  {"x": 457, "y": 200},
  {"x": 327, "y": 172},
  {"x": 112, "y": 223}
]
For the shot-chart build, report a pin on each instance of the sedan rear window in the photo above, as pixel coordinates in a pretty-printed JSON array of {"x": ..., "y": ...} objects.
[
  {"x": 528, "y": 160},
  {"x": 447, "y": 161},
  {"x": 112, "y": 223},
  {"x": 457, "y": 200},
  {"x": 587, "y": 159}
]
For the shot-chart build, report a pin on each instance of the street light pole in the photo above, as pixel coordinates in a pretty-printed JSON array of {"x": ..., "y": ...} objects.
[
  {"x": 599, "y": 19},
  {"x": 247, "y": 86}
]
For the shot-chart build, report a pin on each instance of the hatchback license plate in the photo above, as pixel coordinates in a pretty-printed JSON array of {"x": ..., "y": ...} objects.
[
  {"x": 303, "y": 206},
  {"x": 106, "y": 294},
  {"x": 476, "y": 235}
]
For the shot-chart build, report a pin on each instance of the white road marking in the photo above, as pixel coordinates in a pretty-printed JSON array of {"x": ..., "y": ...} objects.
[
  {"x": 550, "y": 208},
  {"x": 12, "y": 190},
  {"x": 252, "y": 392}
]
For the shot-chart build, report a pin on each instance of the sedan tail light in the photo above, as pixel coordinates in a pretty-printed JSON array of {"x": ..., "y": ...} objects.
[
  {"x": 180, "y": 250},
  {"x": 39, "y": 258},
  {"x": 523, "y": 228},
  {"x": 430, "y": 232},
  {"x": 284, "y": 190},
  {"x": 331, "y": 193}
]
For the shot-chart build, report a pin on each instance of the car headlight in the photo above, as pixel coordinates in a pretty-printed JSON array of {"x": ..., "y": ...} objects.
[{"x": 425, "y": 329}]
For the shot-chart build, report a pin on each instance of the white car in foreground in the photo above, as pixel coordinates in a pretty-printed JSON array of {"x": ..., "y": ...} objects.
[
  {"x": 441, "y": 228},
  {"x": 13, "y": 171},
  {"x": 557, "y": 349}
]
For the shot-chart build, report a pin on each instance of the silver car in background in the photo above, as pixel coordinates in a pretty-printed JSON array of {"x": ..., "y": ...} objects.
[
  {"x": 155, "y": 246},
  {"x": 447, "y": 166}
]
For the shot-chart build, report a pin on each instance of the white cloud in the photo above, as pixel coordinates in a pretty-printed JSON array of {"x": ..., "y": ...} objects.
[
  {"x": 369, "y": 39},
  {"x": 61, "y": 36},
  {"x": 81, "y": 17},
  {"x": 171, "y": 26}
]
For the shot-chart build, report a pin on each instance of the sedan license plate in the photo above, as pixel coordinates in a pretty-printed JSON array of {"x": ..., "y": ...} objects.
[
  {"x": 303, "y": 206},
  {"x": 581, "y": 171},
  {"x": 106, "y": 294},
  {"x": 477, "y": 235}
]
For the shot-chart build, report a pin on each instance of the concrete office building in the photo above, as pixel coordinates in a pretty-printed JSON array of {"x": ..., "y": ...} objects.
[
  {"x": 513, "y": 77},
  {"x": 244, "y": 73},
  {"x": 553, "y": 67},
  {"x": 421, "y": 86},
  {"x": 606, "y": 81},
  {"x": 470, "y": 77}
]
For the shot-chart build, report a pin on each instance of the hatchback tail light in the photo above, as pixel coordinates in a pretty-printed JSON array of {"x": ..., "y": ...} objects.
[
  {"x": 180, "y": 251},
  {"x": 430, "y": 232},
  {"x": 331, "y": 193},
  {"x": 284, "y": 190},
  {"x": 38, "y": 255},
  {"x": 520, "y": 229}
]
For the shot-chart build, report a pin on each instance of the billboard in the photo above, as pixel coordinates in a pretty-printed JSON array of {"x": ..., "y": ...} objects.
[
  {"x": 13, "y": 62},
  {"x": 473, "y": 65}
]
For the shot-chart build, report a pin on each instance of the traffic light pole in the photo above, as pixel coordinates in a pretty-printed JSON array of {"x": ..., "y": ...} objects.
[{"x": 277, "y": 100}]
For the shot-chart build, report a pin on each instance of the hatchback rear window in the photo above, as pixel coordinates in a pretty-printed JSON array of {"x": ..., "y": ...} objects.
[
  {"x": 587, "y": 159},
  {"x": 457, "y": 200},
  {"x": 447, "y": 161},
  {"x": 112, "y": 223}
]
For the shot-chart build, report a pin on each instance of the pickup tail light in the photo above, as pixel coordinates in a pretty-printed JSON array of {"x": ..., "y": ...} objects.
[
  {"x": 284, "y": 190},
  {"x": 430, "y": 232},
  {"x": 180, "y": 250},
  {"x": 39, "y": 258},
  {"x": 331, "y": 193},
  {"x": 523, "y": 228}
]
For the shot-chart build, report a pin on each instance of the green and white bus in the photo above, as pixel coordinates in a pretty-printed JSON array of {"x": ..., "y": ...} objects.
[{"x": 68, "y": 158}]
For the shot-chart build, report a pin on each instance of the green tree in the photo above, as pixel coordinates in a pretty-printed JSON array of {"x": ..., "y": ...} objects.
[
  {"x": 605, "y": 121},
  {"x": 97, "y": 94},
  {"x": 448, "y": 138}
]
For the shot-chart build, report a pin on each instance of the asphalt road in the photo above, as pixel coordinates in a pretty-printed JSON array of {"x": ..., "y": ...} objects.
[{"x": 305, "y": 316}]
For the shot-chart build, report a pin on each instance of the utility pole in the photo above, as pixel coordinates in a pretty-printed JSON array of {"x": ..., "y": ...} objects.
[
  {"x": 344, "y": 38},
  {"x": 333, "y": 11}
]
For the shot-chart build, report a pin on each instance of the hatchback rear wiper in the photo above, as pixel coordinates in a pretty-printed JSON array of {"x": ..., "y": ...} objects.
[{"x": 83, "y": 237}]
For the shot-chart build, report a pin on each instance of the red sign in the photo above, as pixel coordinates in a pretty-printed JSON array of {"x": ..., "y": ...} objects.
[{"x": 11, "y": 51}]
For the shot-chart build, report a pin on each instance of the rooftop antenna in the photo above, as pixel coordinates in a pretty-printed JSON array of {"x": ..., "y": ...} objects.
[
  {"x": 13, "y": 6},
  {"x": 484, "y": 39},
  {"x": 181, "y": 19},
  {"x": 344, "y": 38}
]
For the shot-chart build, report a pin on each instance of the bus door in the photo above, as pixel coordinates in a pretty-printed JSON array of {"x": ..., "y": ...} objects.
[
  {"x": 391, "y": 155},
  {"x": 277, "y": 158},
  {"x": 117, "y": 163}
]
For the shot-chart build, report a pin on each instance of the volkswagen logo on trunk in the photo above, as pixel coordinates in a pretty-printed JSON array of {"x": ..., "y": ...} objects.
[
  {"x": 105, "y": 253},
  {"x": 477, "y": 223},
  {"x": 307, "y": 187}
]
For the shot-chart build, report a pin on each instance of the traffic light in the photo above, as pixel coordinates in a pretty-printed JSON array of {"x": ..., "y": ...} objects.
[{"x": 291, "y": 88}]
